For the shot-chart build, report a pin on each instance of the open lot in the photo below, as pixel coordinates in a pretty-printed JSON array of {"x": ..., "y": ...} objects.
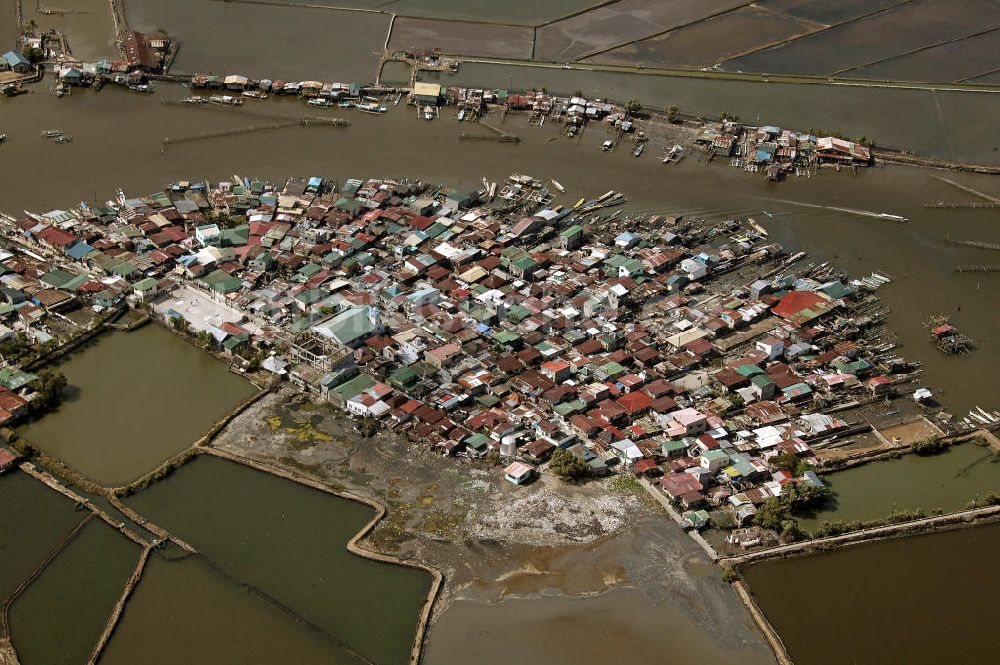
[{"x": 200, "y": 310}]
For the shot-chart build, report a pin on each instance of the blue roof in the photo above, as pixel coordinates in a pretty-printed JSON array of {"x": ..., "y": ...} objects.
[
  {"x": 763, "y": 156},
  {"x": 14, "y": 58},
  {"x": 79, "y": 250}
]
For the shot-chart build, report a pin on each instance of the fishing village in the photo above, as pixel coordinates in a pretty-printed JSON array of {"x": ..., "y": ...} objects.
[
  {"x": 701, "y": 358},
  {"x": 378, "y": 381}
]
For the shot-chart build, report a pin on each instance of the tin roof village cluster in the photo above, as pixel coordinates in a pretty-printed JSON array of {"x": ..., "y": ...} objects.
[{"x": 511, "y": 327}]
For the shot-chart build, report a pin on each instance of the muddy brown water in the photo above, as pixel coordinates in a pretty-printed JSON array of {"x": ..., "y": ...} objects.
[
  {"x": 948, "y": 480},
  {"x": 947, "y": 124},
  {"x": 638, "y": 592},
  {"x": 74, "y": 594},
  {"x": 920, "y": 601},
  {"x": 263, "y": 41},
  {"x": 33, "y": 520},
  {"x": 911, "y": 25},
  {"x": 288, "y": 542},
  {"x": 134, "y": 399},
  {"x": 185, "y": 612}
]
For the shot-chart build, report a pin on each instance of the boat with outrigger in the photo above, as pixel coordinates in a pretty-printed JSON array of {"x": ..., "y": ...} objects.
[
  {"x": 254, "y": 94},
  {"x": 371, "y": 107},
  {"x": 321, "y": 103},
  {"x": 225, "y": 100}
]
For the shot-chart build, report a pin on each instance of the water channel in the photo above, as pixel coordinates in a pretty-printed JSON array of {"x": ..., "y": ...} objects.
[
  {"x": 287, "y": 542},
  {"x": 922, "y": 600},
  {"x": 134, "y": 399},
  {"x": 946, "y": 481},
  {"x": 73, "y": 595}
]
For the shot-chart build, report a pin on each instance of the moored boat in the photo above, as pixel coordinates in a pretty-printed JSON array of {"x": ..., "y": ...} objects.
[{"x": 225, "y": 100}]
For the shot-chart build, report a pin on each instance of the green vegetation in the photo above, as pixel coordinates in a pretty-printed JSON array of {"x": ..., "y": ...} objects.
[
  {"x": 567, "y": 465},
  {"x": 792, "y": 463},
  {"x": 672, "y": 113},
  {"x": 34, "y": 54},
  {"x": 991, "y": 499},
  {"x": 180, "y": 324},
  {"x": 205, "y": 339},
  {"x": 49, "y": 390},
  {"x": 929, "y": 446},
  {"x": 826, "y": 529},
  {"x": 776, "y": 513},
  {"x": 633, "y": 106},
  {"x": 729, "y": 576}
]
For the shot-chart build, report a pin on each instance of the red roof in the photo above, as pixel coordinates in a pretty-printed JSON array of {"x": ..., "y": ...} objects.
[
  {"x": 795, "y": 302},
  {"x": 57, "y": 237},
  {"x": 676, "y": 484},
  {"x": 635, "y": 402},
  {"x": 645, "y": 466}
]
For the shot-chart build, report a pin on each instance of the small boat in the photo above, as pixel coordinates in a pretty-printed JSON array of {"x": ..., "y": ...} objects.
[
  {"x": 12, "y": 89},
  {"x": 607, "y": 146},
  {"x": 461, "y": 115},
  {"x": 562, "y": 190},
  {"x": 64, "y": 139},
  {"x": 675, "y": 155},
  {"x": 398, "y": 97},
  {"x": 371, "y": 107},
  {"x": 254, "y": 94},
  {"x": 638, "y": 150},
  {"x": 225, "y": 100},
  {"x": 895, "y": 218},
  {"x": 141, "y": 87},
  {"x": 3, "y": 137},
  {"x": 320, "y": 103},
  {"x": 428, "y": 113},
  {"x": 52, "y": 133},
  {"x": 345, "y": 104},
  {"x": 195, "y": 100}
]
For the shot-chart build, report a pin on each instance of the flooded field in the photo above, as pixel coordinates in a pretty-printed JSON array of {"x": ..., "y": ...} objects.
[
  {"x": 458, "y": 37},
  {"x": 87, "y": 24},
  {"x": 911, "y": 25},
  {"x": 75, "y": 593},
  {"x": 185, "y": 612},
  {"x": 956, "y": 61},
  {"x": 828, "y": 13},
  {"x": 516, "y": 12},
  {"x": 288, "y": 542},
  {"x": 616, "y": 23},
  {"x": 948, "y": 480},
  {"x": 915, "y": 600},
  {"x": 127, "y": 393},
  {"x": 33, "y": 520},
  {"x": 707, "y": 42},
  {"x": 266, "y": 41}
]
